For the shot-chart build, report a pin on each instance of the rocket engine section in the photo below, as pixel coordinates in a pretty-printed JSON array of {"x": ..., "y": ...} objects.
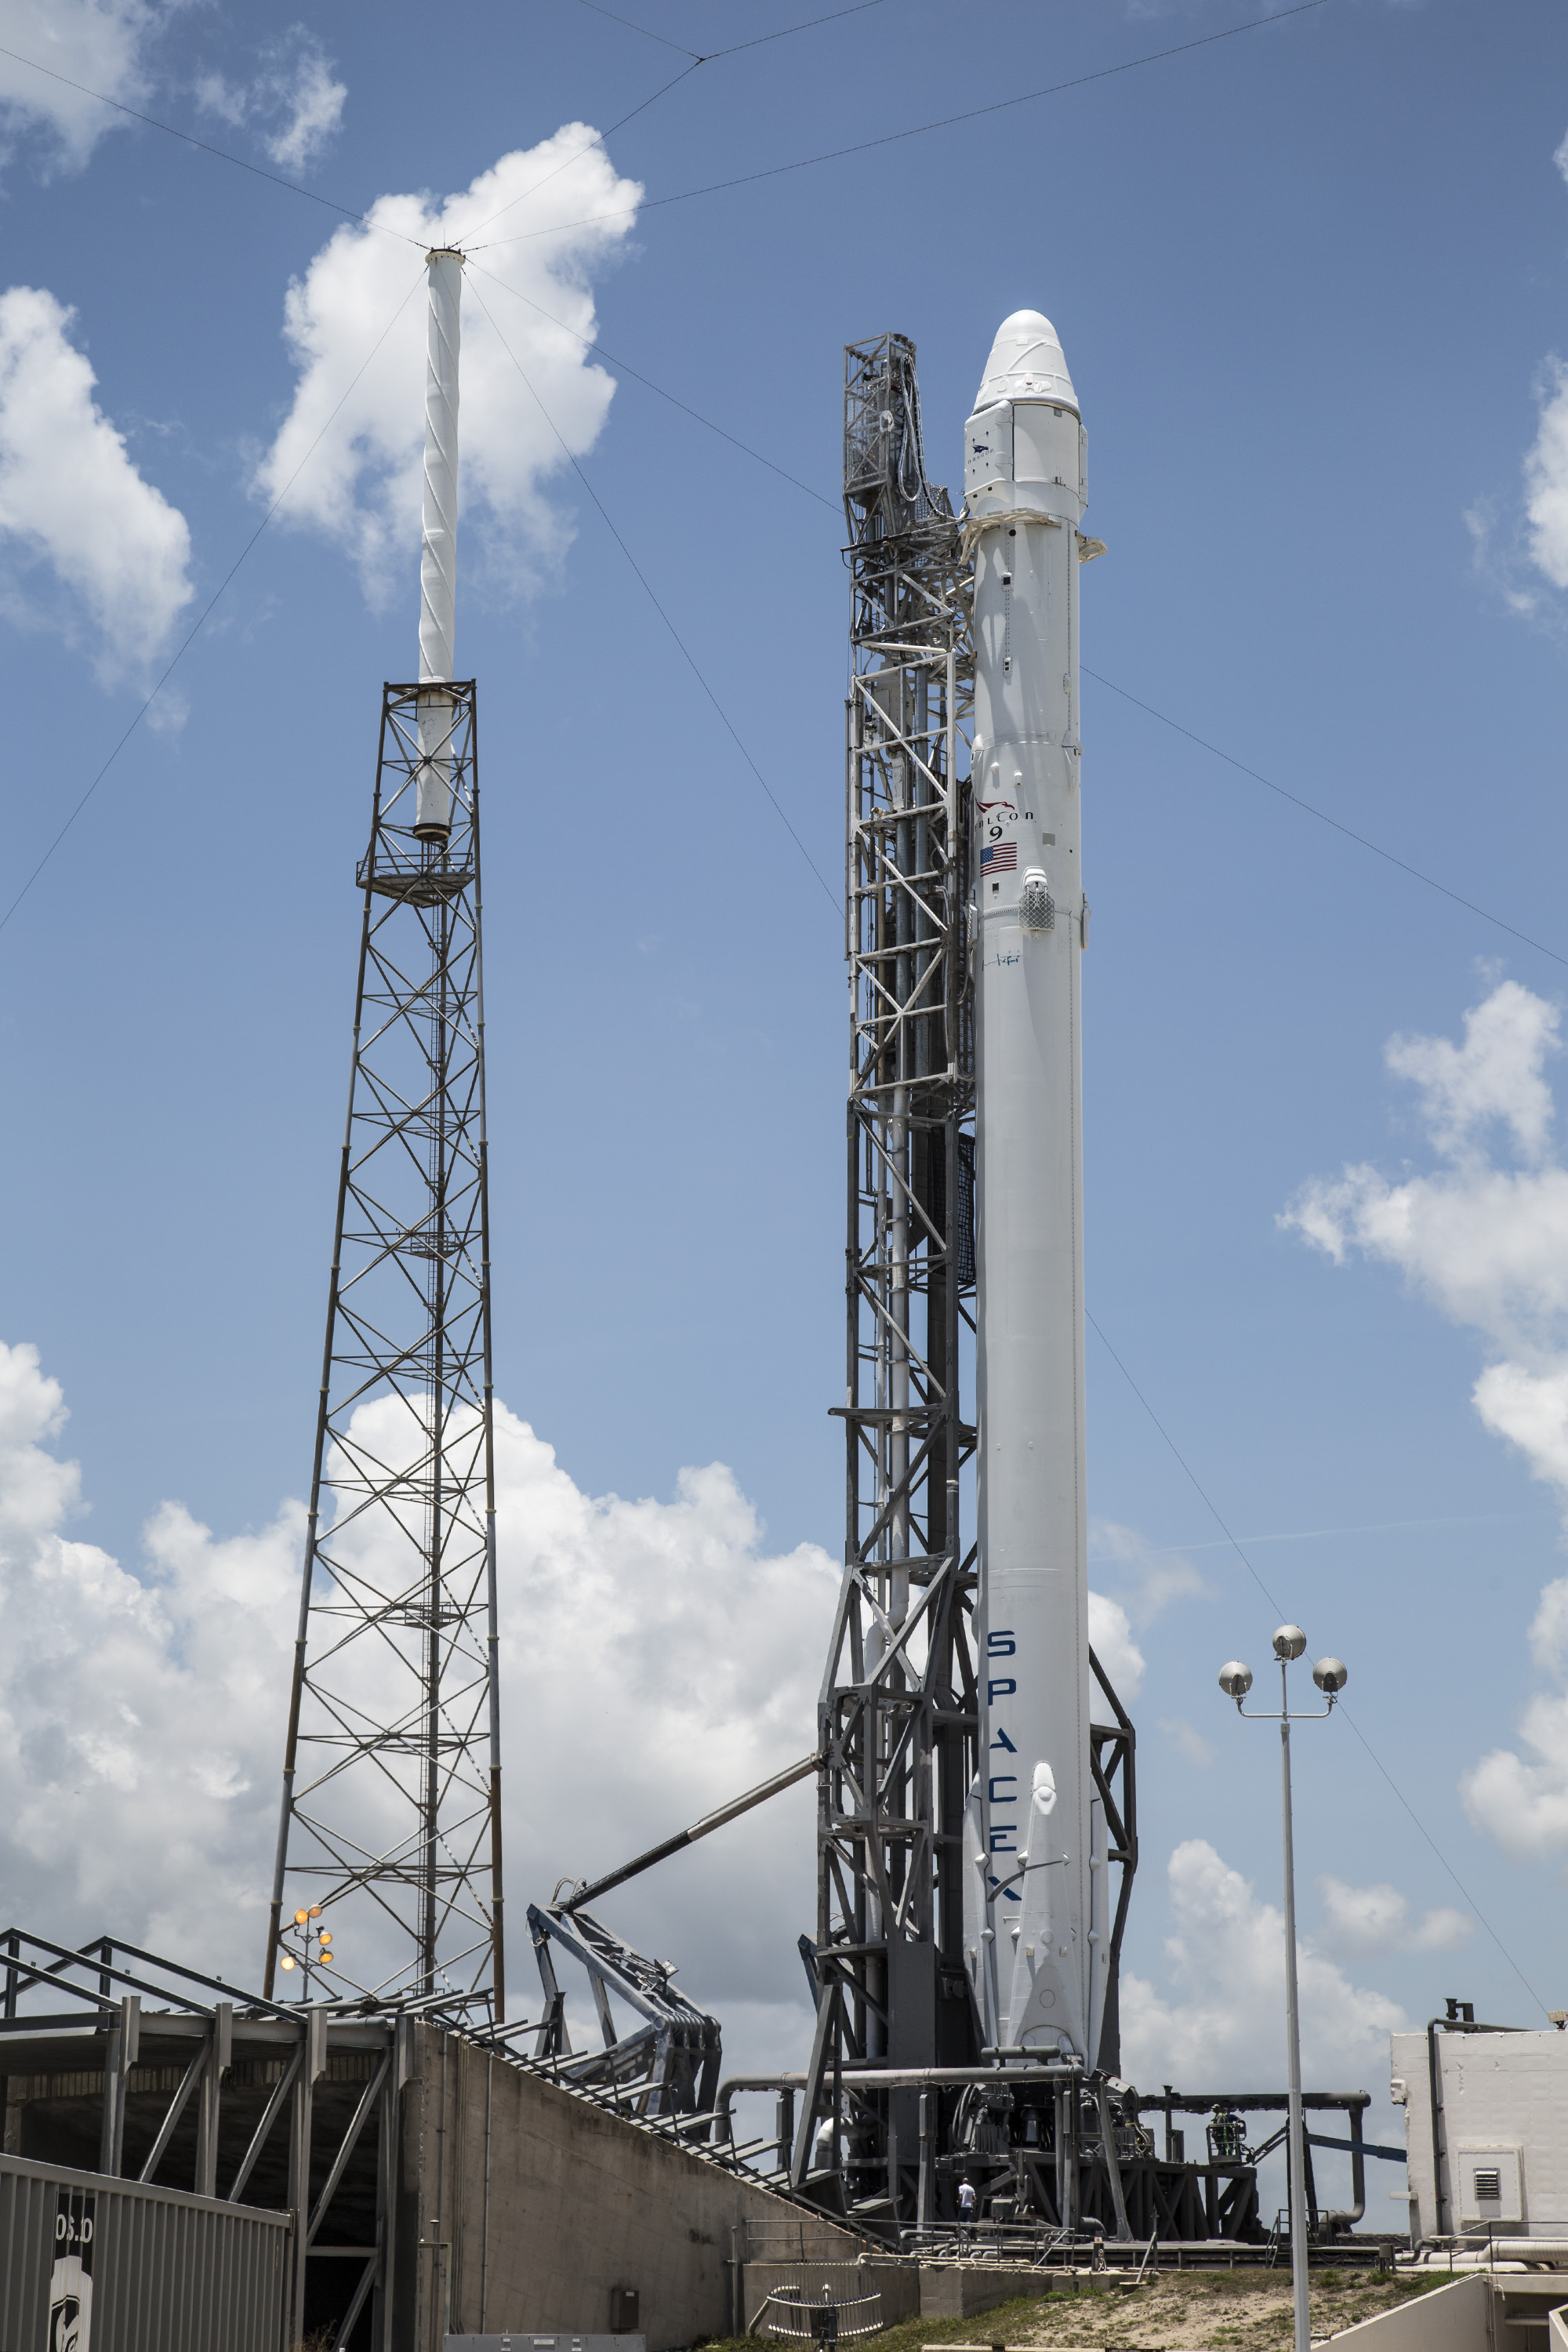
[{"x": 1037, "y": 1926}]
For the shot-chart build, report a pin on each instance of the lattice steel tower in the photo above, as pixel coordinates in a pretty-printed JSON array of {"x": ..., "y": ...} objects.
[
  {"x": 897, "y": 1716},
  {"x": 392, "y": 1766},
  {"x": 897, "y": 1710}
]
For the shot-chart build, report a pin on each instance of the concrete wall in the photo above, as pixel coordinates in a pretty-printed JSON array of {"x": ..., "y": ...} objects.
[
  {"x": 577, "y": 2203},
  {"x": 1500, "y": 2091},
  {"x": 958, "y": 2289},
  {"x": 1455, "y": 2318}
]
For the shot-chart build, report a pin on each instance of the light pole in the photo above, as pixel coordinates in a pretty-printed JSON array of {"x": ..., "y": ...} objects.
[{"x": 1236, "y": 1681}]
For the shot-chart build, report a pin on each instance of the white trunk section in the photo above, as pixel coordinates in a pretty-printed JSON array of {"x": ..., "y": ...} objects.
[
  {"x": 439, "y": 555},
  {"x": 1036, "y": 1927}
]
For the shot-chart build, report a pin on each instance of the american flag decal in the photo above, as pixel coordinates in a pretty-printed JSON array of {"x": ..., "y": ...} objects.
[{"x": 1000, "y": 858}]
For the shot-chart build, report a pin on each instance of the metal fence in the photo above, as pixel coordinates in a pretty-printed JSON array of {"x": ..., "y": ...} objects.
[{"x": 107, "y": 2265}]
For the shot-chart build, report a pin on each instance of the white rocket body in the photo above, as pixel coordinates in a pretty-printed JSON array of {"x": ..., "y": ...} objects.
[
  {"x": 438, "y": 551},
  {"x": 1036, "y": 1930}
]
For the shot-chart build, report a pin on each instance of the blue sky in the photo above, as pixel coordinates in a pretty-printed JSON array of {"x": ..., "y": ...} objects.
[{"x": 1310, "y": 280}]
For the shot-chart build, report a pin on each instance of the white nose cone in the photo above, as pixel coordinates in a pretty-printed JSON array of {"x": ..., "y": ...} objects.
[{"x": 1025, "y": 364}]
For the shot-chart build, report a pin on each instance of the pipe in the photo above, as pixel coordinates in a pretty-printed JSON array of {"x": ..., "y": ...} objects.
[
  {"x": 704, "y": 1828},
  {"x": 438, "y": 551},
  {"x": 898, "y": 2078},
  {"x": 1112, "y": 2163}
]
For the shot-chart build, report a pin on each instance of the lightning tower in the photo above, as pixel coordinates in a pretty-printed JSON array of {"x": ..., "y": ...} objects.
[{"x": 392, "y": 1761}]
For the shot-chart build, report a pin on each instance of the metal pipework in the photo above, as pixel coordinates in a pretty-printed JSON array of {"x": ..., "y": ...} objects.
[
  {"x": 438, "y": 551},
  {"x": 704, "y": 1828}
]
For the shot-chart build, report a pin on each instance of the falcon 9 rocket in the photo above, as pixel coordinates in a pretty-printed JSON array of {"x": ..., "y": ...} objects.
[{"x": 1038, "y": 1927}]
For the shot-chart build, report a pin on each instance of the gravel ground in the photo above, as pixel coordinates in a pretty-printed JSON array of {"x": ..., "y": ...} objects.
[{"x": 1183, "y": 2311}]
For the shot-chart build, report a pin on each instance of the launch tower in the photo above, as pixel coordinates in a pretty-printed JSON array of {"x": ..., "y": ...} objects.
[
  {"x": 392, "y": 1762},
  {"x": 902, "y": 1699}
]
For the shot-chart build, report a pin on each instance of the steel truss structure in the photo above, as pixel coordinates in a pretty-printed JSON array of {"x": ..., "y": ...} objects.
[
  {"x": 115, "y": 2061},
  {"x": 668, "y": 2065},
  {"x": 392, "y": 1764},
  {"x": 897, "y": 1715}
]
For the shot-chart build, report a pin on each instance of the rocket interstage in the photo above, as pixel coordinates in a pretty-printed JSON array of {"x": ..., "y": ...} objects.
[{"x": 1037, "y": 1924}]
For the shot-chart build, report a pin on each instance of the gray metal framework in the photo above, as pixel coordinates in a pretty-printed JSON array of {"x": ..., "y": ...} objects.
[
  {"x": 666, "y": 2067},
  {"x": 391, "y": 1763},
  {"x": 897, "y": 1713},
  {"x": 208, "y": 2089}
]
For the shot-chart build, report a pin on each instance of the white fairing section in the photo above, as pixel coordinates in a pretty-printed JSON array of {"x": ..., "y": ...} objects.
[
  {"x": 1037, "y": 1931},
  {"x": 439, "y": 554}
]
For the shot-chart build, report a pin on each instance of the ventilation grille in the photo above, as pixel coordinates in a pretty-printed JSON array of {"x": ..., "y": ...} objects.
[
  {"x": 1036, "y": 908},
  {"x": 1488, "y": 2185}
]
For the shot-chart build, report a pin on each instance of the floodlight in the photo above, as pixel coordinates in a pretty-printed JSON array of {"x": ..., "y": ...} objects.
[
  {"x": 1236, "y": 1680},
  {"x": 1290, "y": 1641},
  {"x": 301, "y": 1918},
  {"x": 288, "y": 1960},
  {"x": 1330, "y": 1674}
]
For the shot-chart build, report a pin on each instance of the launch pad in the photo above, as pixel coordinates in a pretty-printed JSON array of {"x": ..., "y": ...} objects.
[{"x": 962, "y": 2106}]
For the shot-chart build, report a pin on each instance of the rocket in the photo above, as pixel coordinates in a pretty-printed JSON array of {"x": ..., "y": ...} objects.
[{"x": 1037, "y": 1921}]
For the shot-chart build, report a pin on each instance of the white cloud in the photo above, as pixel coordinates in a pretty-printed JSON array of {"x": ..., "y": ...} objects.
[
  {"x": 656, "y": 1659},
  {"x": 1111, "y": 1638},
  {"x": 98, "y": 43},
  {"x": 1153, "y": 1579},
  {"x": 1496, "y": 1074},
  {"x": 71, "y": 498},
  {"x": 363, "y": 486},
  {"x": 1364, "y": 1922},
  {"x": 1489, "y": 1244},
  {"x": 294, "y": 101},
  {"x": 1187, "y": 1738},
  {"x": 1223, "y": 2020},
  {"x": 1546, "y": 476}
]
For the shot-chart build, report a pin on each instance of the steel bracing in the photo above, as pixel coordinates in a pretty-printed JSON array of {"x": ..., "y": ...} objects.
[
  {"x": 897, "y": 1716},
  {"x": 392, "y": 1766},
  {"x": 898, "y": 1719}
]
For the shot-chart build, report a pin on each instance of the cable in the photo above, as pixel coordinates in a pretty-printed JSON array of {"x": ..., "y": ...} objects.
[
  {"x": 707, "y": 57},
  {"x": 207, "y": 611},
  {"x": 943, "y": 122},
  {"x": 597, "y": 140},
  {"x": 1213, "y": 1510},
  {"x": 659, "y": 38},
  {"x": 589, "y": 345},
  {"x": 222, "y": 154},
  {"x": 1323, "y": 818},
  {"x": 1307, "y": 807},
  {"x": 684, "y": 652}
]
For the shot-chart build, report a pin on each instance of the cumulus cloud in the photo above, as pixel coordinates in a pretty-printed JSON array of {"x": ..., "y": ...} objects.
[
  {"x": 71, "y": 500},
  {"x": 1111, "y": 1638},
  {"x": 99, "y": 43},
  {"x": 1485, "y": 1236},
  {"x": 362, "y": 486},
  {"x": 1222, "y": 2019},
  {"x": 294, "y": 103},
  {"x": 1364, "y": 1922},
  {"x": 1151, "y": 1579},
  {"x": 1187, "y": 1739},
  {"x": 1546, "y": 476},
  {"x": 655, "y": 1658}
]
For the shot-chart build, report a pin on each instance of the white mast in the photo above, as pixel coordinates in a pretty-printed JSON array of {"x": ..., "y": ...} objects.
[
  {"x": 438, "y": 553},
  {"x": 1038, "y": 1931}
]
